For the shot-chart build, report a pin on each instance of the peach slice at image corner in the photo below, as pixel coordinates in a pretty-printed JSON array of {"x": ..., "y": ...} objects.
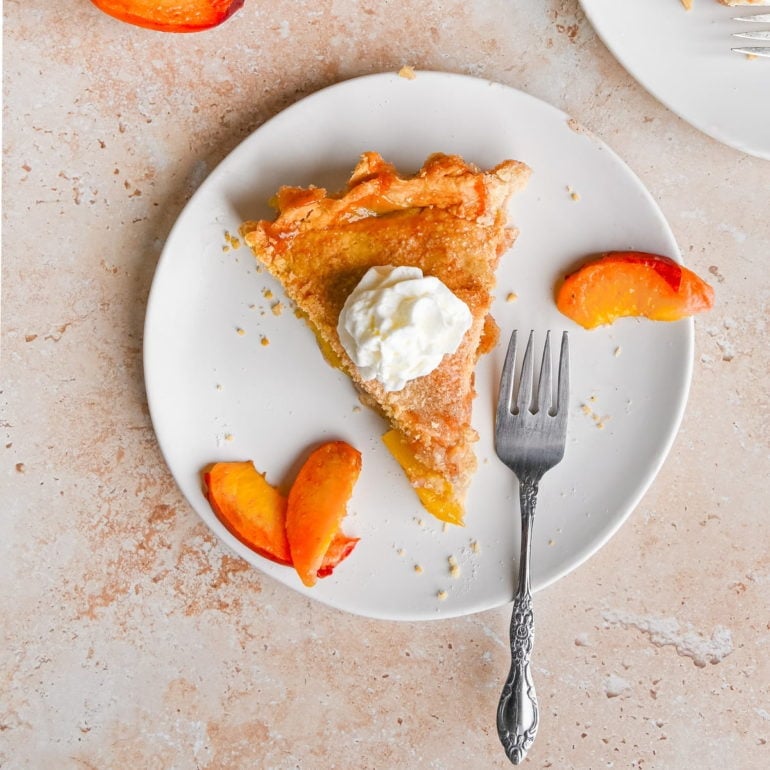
[
  {"x": 171, "y": 15},
  {"x": 618, "y": 284}
]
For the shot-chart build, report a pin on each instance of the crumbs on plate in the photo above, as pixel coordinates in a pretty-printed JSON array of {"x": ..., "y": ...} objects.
[
  {"x": 231, "y": 242},
  {"x": 599, "y": 420}
]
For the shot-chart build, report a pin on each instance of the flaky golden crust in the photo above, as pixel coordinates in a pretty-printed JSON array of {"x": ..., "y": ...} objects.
[{"x": 449, "y": 220}]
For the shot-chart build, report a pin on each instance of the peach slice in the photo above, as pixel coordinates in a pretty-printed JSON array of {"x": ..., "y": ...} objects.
[
  {"x": 317, "y": 504},
  {"x": 340, "y": 548},
  {"x": 251, "y": 509},
  {"x": 171, "y": 15},
  {"x": 632, "y": 283}
]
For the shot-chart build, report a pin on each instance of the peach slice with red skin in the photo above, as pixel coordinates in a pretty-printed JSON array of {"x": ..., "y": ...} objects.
[
  {"x": 171, "y": 15},
  {"x": 632, "y": 283},
  {"x": 339, "y": 549},
  {"x": 255, "y": 512},
  {"x": 317, "y": 504}
]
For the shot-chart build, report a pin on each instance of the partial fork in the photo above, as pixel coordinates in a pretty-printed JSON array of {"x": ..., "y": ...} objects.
[
  {"x": 530, "y": 435},
  {"x": 761, "y": 18}
]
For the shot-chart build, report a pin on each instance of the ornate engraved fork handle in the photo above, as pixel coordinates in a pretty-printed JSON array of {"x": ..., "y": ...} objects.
[{"x": 517, "y": 713}]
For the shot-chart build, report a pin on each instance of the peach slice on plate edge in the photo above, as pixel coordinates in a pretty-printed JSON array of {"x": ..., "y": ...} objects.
[{"x": 618, "y": 284}]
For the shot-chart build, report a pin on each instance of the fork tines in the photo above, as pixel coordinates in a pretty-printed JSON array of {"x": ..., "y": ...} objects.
[
  {"x": 531, "y": 426},
  {"x": 761, "y": 18},
  {"x": 754, "y": 50},
  {"x": 526, "y": 398}
]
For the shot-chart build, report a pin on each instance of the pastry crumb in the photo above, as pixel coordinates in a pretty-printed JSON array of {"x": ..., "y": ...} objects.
[
  {"x": 228, "y": 437},
  {"x": 573, "y": 194},
  {"x": 599, "y": 420},
  {"x": 617, "y": 351},
  {"x": 441, "y": 595},
  {"x": 231, "y": 241},
  {"x": 267, "y": 293},
  {"x": 264, "y": 341},
  {"x": 418, "y": 569},
  {"x": 401, "y": 552},
  {"x": 575, "y": 126},
  {"x": 219, "y": 386},
  {"x": 512, "y": 296},
  {"x": 454, "y": 567},
  {"x": 277, "y": 308},
  {"x": 357, "y": 409},
  {"x": 475, "y": 547},
  {"x": 407, "y": 72},
  {"x": 240, "y": 332}
]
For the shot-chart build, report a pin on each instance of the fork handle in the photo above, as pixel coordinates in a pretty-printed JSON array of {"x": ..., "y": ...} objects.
[{"x": 517, "y": 712}]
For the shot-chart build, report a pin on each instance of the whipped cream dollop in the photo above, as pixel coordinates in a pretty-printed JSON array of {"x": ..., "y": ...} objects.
[{"x": 397, "y": 324}]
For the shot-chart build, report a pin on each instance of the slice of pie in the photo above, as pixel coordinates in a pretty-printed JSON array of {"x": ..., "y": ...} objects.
[{"x": 449, "y": 220}]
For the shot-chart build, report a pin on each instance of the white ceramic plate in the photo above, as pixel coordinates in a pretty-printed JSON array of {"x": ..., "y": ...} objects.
[
  {"x": 683, "y": 58},
  {"x": 215, "y": 394}
]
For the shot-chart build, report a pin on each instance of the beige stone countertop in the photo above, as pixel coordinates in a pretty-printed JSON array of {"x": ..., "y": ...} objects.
[{"x": 131, "y": 638}]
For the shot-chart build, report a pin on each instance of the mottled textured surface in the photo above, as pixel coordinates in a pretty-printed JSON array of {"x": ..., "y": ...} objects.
[{"x": 131, "y": 638}]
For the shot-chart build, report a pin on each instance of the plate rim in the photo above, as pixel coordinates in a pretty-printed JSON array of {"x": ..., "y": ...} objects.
[{"x": 715, "y": 132}]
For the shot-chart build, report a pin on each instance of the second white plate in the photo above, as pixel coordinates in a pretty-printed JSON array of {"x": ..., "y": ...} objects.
[
  {"x": 684, "y": 59},
  {"x": 217, "y": 394}
]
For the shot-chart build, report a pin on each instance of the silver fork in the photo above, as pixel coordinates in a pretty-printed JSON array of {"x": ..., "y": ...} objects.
[
  {"x": 530, "y": 434},
  {"x": 760, "y": 35}
]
